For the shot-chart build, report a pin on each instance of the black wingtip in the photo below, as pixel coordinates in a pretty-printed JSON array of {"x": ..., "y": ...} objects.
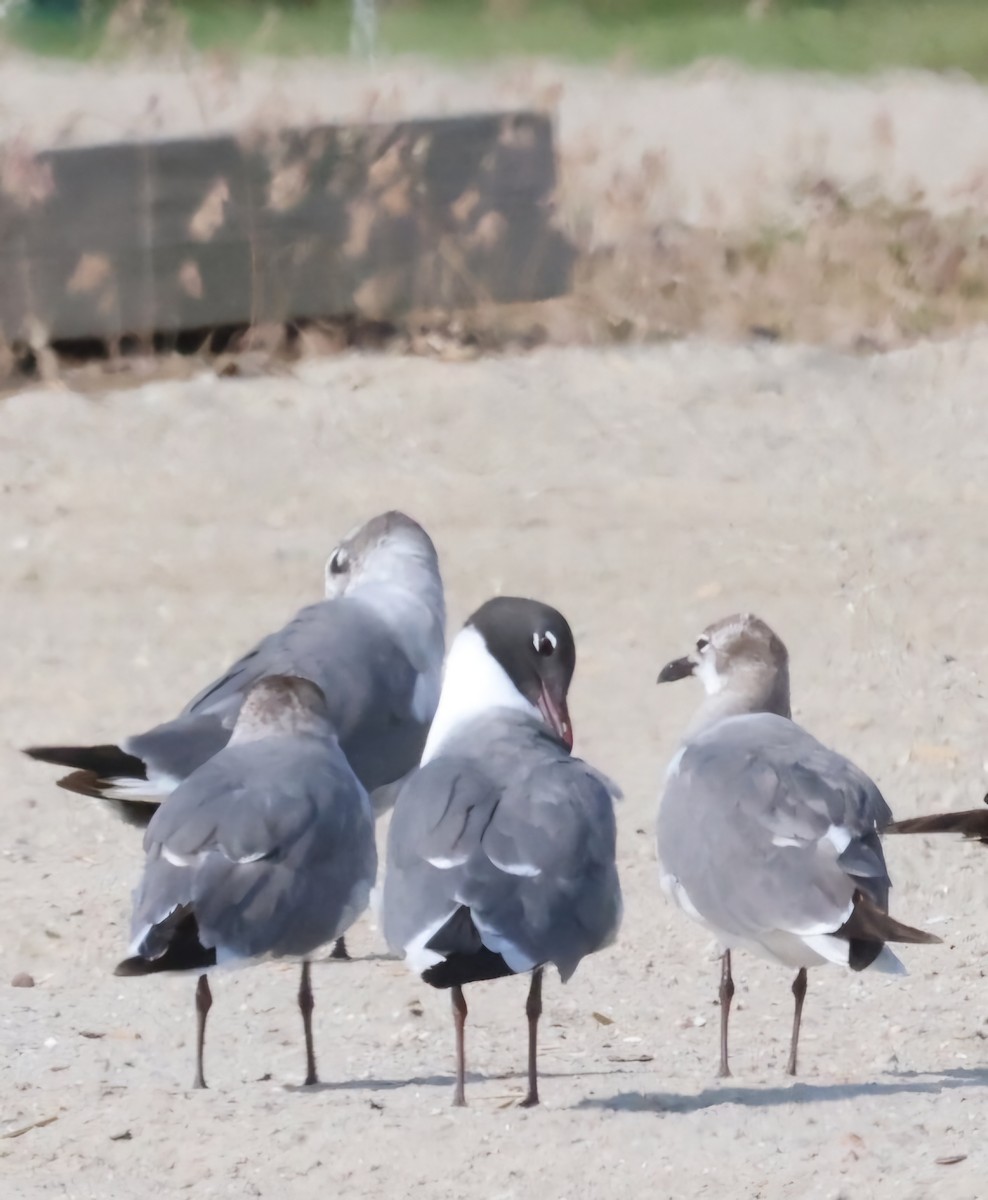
[
  {"x": 93, "y": 771},
  {"x": 972, "y": 824},
  {"x": 459, "y": 969},
  {"x": 135, "y": 966},
  {"x": 58, "y": 756},
  {"x": 465, "y": 957},
  {"x": 183, "y": 956},
  {"x": 172, "y": 945},
  {"x": 107, "y": 761}
]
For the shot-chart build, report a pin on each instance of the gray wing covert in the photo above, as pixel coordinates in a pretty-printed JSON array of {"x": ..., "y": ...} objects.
[
  {"x": 341, "y": 645},
  {"x": 344, "y": 647},
  {"x": 272, "y": 845},
  {"x": 439, "y": 817},
  {"x": 523, "y": 835},
  {"x": 177, "y": 748},
  {"x": 546, "y": 887},
  {"x": 766, "y": 829}
]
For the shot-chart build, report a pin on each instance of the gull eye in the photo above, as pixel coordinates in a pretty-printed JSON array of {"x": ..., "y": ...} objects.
[
  {"x": 702, "y": 643},
  {"x": 340, "y": 562},
  {"x": 544, "y": 643}
]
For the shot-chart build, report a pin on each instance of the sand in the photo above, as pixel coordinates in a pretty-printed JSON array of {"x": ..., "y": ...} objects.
[{"x": 150, "y": 535}]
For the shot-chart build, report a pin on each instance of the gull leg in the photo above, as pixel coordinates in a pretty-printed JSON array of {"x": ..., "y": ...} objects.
[
  {"x": 533, "y": 1010},
  {"x": 799, "y": 992},
  {"x": 305, "y": 1005},
  {"x": 459, "y": 1021},
  {"x": 340, "y": 950},
  {"x": 726, "y": 996},
  {"x": 204, "y": 1002}
]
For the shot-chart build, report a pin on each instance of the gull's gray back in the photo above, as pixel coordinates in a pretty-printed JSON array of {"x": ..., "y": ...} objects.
[
  {"x": 523, "y": 835},
  {"x": 271, "y": 842},
  {"x": 766, "y": 829},
  {"x": 379, "y": 698}
]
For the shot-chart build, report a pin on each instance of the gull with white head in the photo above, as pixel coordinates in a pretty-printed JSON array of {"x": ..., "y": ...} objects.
[
  {"x": 265, "y": 852},
  {"x": 374, "y": 646},
  {"x": 765, "y": 835}
]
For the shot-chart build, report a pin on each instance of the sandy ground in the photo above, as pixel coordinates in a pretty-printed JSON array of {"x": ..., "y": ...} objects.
[{"x": 149, "y": 536}]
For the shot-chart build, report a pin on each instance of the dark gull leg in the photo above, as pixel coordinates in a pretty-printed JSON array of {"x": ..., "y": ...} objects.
[
  {"x": 305, "y": 1006},
  {"x": 799, "y": 991},
  {"x": 533, "y": 1010},
  {"x": 204, "y": 1002},
  {"x": 726, "y": 996},
  {"x": 459, "y": 1021},
  {"x": 340, "y": 950}
]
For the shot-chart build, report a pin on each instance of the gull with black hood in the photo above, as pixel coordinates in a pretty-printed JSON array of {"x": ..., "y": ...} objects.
[{"x": 501, "y": 852}]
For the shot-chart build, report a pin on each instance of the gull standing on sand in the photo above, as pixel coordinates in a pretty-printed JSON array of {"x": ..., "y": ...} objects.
[
  {"x": 765, "y": 835},
  {"x": 266, "y": 851},
  {"x": 501, "y": 852},
  {"x": 374, "y": 646}
]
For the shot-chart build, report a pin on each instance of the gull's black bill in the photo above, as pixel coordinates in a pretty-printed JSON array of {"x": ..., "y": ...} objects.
[{"x": 679, "y": 668}]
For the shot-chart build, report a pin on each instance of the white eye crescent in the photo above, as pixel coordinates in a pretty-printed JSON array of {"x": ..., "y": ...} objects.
[
  {"x": 702, "y": 643},
  {"x": 544, "y": 643},
  {"x": 339, "y": 562}
]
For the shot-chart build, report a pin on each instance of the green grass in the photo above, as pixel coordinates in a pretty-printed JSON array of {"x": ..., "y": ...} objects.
[{"x": 853, "y": 36}]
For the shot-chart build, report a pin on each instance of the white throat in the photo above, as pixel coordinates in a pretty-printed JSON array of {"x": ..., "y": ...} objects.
[
  {"x": 706, "y": 672},
  {"x": 474, "y": 682}
]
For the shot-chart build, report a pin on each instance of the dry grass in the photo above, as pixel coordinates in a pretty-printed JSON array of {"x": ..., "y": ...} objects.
[
  {"x": 854, "y": 276},
  {"x": 874, "y": 276},
  {"x": 860, "y": 278},
  {"x": 811, "y": 232}
]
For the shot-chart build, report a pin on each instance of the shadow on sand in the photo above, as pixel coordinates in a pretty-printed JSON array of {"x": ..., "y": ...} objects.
[
  {"x": 443, "y": 1081},
  {"x": 928, "y": 1083}
]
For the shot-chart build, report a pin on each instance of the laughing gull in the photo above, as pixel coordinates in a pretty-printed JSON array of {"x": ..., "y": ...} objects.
[
  {"x": 765, "y": 835},
  {"x": 266, "y": 851},
  {"x": 374, "y": 646},
  {"x": 501, "y": 847}
]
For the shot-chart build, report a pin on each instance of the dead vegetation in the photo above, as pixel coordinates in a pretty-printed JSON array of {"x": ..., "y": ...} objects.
[
  {"x": 839, "y": 264},
  {"x": 856, "y": 276},
  {"x": 864, "y": 276}
]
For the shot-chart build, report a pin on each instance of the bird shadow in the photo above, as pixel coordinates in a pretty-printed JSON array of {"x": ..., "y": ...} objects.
[
  {"x": 374, "y": 1085},
  {"x": 443, "y": 1081},
  {"x": 328, "y": 960},
  {"x": 922, "y": 1083}
]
